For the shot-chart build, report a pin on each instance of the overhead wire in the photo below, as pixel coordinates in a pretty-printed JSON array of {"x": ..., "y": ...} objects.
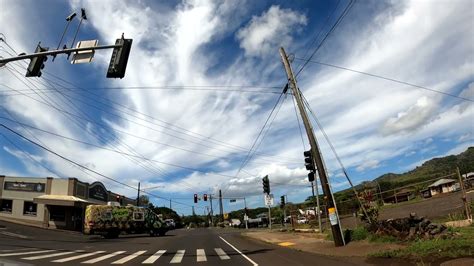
[
  {"x": 333, "y": 28},
  {"x": 387, "y": 78},
  {"x": 87, "y": 168}
]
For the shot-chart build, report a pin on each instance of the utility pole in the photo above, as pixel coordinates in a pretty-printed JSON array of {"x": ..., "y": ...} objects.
[
  {"x": 170, "y": 205},
  {"x": 315, "y": 152},
  {"x": 464, "y": 198},
  {"x": 138, "y": 194},
  {"x": 245, "y": 215},
  {"x": 220, "y": 205},
  {"x": 212, "y": 212},
  {"x": 193, "y": 211},
  {"x": 313, "y": 185}
]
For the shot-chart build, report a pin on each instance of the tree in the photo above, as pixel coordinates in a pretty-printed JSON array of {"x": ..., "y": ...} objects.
[{"x": 144, "y": 200}]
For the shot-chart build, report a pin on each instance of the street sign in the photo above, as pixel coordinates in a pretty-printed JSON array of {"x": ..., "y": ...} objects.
[
  {"x": 269, "y": 200},
  {"x": 84, "y": 56},
  {"x": 246, "y": 218},
  {"x": 226, "y": 216},
  {"x": 233, "y": 200}
]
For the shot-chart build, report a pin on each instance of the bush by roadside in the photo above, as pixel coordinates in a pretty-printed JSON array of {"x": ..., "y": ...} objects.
[{"x": 461, "y": 245}]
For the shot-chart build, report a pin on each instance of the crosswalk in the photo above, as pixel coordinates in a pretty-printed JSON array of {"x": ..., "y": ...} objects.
[{"x": 115, "y": 257}]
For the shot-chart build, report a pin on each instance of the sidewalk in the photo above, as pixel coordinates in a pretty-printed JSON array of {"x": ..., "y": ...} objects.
[{"x": 316, "y": 243}]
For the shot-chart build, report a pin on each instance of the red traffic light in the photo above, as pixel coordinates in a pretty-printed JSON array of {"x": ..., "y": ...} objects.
[{"x": 205, "y": 197}]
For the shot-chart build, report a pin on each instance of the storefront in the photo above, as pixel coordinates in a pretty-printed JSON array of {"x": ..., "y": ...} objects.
[{"x": 51, "y": 202}]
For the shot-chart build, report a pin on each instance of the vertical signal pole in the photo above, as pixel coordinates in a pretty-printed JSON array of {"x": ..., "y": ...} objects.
[
  {"x": 315, "y": 152},
  {"x": 212, "y": 212}
]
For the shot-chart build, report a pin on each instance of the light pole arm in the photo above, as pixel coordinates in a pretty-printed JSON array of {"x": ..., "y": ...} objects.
[{"x": 4, "y": 61}]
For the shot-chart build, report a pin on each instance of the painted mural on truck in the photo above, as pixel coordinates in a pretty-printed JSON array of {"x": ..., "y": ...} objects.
[{"x": 112, "y": 220}]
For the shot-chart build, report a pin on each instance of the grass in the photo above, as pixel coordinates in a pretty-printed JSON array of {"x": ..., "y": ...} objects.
[{"x": 459, "y": 246}]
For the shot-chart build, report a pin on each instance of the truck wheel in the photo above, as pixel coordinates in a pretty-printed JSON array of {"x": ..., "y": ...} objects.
[{"x": 152, "y": 233}]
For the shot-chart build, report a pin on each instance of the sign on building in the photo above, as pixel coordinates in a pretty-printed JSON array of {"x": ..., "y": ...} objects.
[{"x": 25, "y": 186}]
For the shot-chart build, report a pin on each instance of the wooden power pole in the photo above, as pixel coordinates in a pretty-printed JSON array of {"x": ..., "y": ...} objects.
[
  {"x": 316, "y": 154},
  {"x": 464, "y": 198}
]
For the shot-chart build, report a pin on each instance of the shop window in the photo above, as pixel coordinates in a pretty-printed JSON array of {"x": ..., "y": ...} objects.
[
  {"x": 6, "y": 205},
  {"x": 29, "y": 208},
  {"x": 57, "y": 213}
]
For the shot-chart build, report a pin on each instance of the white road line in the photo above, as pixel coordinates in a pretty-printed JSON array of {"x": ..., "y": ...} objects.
[
  {"x": 200, "y": 255},
  {"x": 51, "y": 255},
  {"x": 103, "y": 257},
  {"x": 129, "y": 257},
  {"x": 222, "y": 254},
  {"x": 243, "y": 255},
  {"x": 26, "y": 253},
  {"x": 13, "y": 235},
  {"x": 178, "y": 257},
  {"x": 154, "y": 257},
  {"x": 79, "y": 256}
]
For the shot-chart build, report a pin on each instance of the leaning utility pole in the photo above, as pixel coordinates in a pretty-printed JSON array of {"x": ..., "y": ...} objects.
[
  {"x": 464, "y": 198},
  {"x": 315, "y": 152},
  {"x": 138, "y": 194}
]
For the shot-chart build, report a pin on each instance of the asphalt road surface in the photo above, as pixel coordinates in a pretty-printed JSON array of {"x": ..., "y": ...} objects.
[{"x": 23, "y": 245}]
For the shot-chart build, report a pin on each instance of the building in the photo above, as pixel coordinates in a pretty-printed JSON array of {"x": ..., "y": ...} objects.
[
  {"x": 400, "y": 196},
  {"x": 442, "y": 186},
  {"x": 468, "y": 180},
  {"x": 51, "y": 202}
]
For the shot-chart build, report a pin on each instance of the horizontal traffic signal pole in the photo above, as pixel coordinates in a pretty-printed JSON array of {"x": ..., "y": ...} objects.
[{"x": 4, "y": 61}]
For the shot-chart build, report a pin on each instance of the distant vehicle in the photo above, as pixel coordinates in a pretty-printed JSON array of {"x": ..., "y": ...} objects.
[
  {"x": 170, "y": 223},
  {"x": 109, "y": 221},
  {"x": 302, "y": 220},
  {"x": 235, "y": 222}
]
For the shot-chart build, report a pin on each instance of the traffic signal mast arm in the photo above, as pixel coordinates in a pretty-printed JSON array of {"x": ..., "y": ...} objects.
[
  {"x": 4, "y": 61},
  {"x": 315, "y": 152}
]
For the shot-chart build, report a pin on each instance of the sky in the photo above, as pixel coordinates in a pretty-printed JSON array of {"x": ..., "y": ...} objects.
[{"x": 203, "y": 78}]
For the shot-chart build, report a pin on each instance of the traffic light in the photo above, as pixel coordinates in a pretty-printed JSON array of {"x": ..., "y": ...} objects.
[
  {"x": 266, "y": 185},
  {"x": 311, "y": 176},
  {"x": 195, "y": 198},
  {"x": 119, "y": 59},
  {"x": 37, "y": 63},
  {"x": 282, "y": 201},
  {"x": 308, "y": 160},
  {"x": 204, "y": 197}
]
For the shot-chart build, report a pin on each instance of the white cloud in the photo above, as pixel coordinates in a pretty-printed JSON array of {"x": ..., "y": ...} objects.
[
  {"x": 274, "y": 28},
  {"x": 370, "y": 164},
  {"x": 413, "y": 118}
]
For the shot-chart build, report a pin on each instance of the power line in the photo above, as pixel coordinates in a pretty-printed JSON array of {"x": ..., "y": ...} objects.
[
  {"x": 116, "y": 151},
  {"x": 85, "y": 167},
  {"x": 387, "y": 78},
  {"x": 338, "y": 21},
  {"x": 256, "y": 140}
]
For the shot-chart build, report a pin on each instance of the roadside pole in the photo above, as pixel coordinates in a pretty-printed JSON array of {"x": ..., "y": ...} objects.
[
  {"x": 315, "y": 184},
  {"x": 212, "y": 212},
  {"x": 464, "y": 197},
  {"x": 269, "y": 218},
  {"x": 138, "y": 195},
  {"x": 245, "y": 215}
]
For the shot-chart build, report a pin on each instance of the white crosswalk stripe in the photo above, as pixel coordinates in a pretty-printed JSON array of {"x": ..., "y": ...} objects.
[
  {"x": 221, "y": 253},
  {"x": 129, "y": 257},
  {"x": 99, "y": 256},
  {"x": 108, "y": 256},
  {"x": 200, "y": 255},
  {"x": 154, "y": 257},
  {"x": 178, "y": 257},
  {"x": 26, "y": 253},
  {"x": 79, "y": 256},
  {"x": 51, "y": 255}
]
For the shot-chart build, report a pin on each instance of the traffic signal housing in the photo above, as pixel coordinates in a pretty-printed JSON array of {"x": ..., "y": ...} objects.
[
  {"x": 204, "y": 197},
  {"x": 266, "y": 185},
  {"x": 311, "y": 176},
  {"x": 195, "y": 198},
  {"x": 37, "y": 63},
  {"x": 119, "y": 59},
  {"x": 282, "y": 201},
  {"x": 308, "y": 160}
]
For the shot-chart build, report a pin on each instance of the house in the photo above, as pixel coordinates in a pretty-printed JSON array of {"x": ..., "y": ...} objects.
[
  {"x": 468, "y": 180},
  {"x": 442, "y": 186},
  {"x": 402, "y": 195},
  {"x": 426, "y": 193}
]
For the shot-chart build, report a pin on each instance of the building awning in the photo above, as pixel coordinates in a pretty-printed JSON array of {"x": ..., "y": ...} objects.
[{"x": 61, "y": 200}]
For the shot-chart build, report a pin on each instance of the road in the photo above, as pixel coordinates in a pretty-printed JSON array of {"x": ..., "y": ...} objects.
[{"x": 23, "y": 245}]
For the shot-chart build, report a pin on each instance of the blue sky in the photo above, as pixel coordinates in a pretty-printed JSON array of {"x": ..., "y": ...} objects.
[{"x": 376, "y": 126}]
